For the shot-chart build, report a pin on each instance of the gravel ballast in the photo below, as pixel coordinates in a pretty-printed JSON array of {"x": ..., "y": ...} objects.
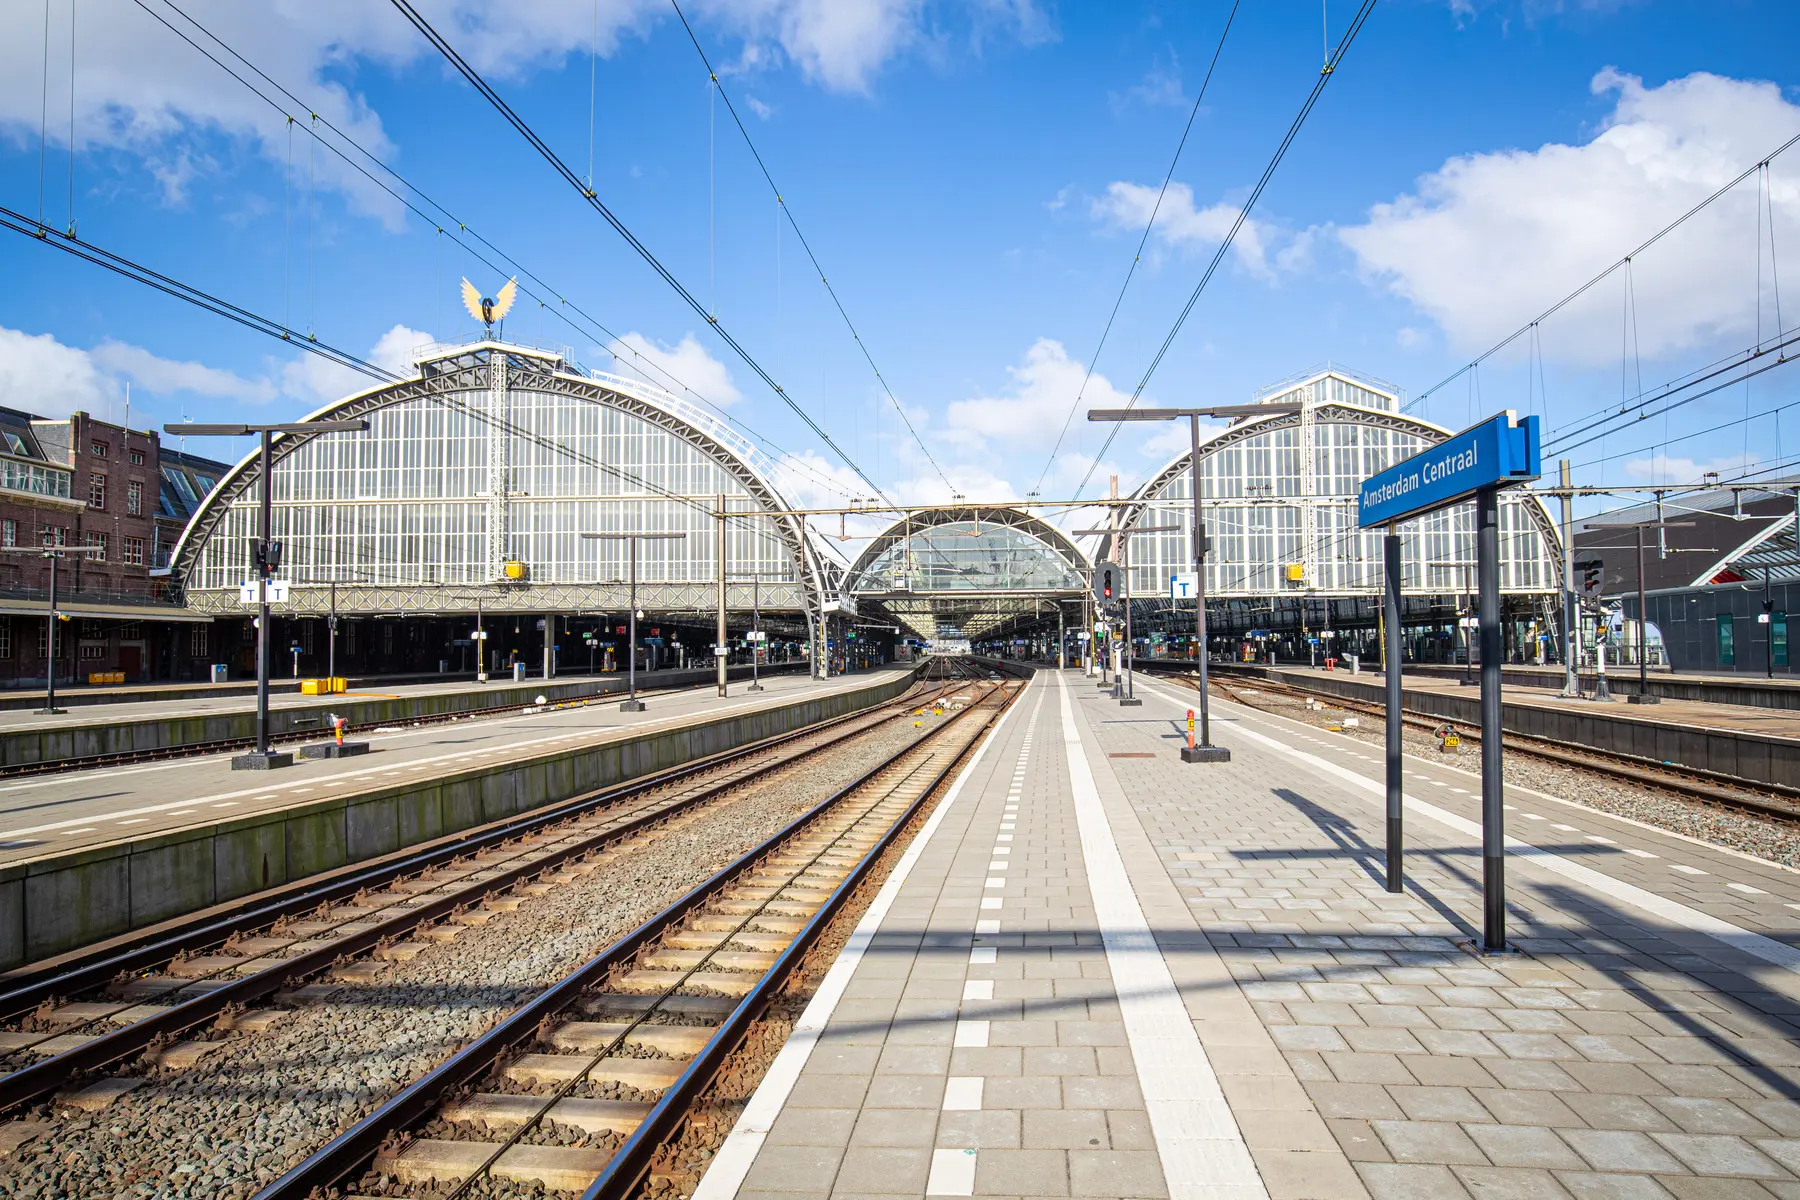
[{"x": 247, "y": 1113}]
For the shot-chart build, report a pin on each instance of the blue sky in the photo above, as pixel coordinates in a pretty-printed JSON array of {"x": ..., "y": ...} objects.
[{"x": 973, "y": 178}]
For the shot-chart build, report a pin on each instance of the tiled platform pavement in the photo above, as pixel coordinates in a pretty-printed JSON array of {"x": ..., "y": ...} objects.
[{"x": 981, "y": 1036}]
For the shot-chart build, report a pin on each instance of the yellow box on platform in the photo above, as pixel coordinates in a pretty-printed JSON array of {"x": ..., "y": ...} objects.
[
  {"x": 314, "y": 687},
  {"x": 106, "y": 677}
]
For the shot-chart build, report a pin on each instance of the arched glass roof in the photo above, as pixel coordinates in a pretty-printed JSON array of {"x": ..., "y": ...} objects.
[{"x": 969, "y": 569}]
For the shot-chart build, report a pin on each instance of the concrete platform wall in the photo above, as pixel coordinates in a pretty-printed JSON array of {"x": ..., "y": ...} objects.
[
  {"x": 1758, "y": 758},
  {"x": 58, "y": 743},
  {"x": 60, "y": 903}
]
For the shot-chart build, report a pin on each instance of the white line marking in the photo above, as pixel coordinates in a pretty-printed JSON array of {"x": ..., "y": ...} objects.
[
  {"x": 1564, "y": 828},
  {"x": 1735, "y": 936},
  {"x": 1636, "y": 853},
  {"x": 978, "y": 989},
  {"x": 995, "y": 882},
  {"x": 991, "y": 902},
  {"x": 1604, "y": 841},
  {"x": 982, "y": 927},
  {"x": 1203, "y": 1151},
  {"x": 734, "y": 1159},
  {"x": 962, "y": 1093},
  {"x": 952, "y": 1174},
  {"x": 1687, "y": 870},
  {"x": 981, "y": 955},
  {"x": 971, "y": 1034},
  {"x": 1746, "y": 889}
]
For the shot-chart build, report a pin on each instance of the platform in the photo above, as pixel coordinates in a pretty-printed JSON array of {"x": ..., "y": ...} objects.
[
  {"x": 88, "y": 854},
  {"x": 1102, "y": 972}
]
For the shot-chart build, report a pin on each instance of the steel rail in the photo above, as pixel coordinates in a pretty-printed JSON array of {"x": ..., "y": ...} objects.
[
  {"x": 42, "y": 1078},
  {"x": 416, "y": 1102},
  {"x": 1694, "y": 783}
]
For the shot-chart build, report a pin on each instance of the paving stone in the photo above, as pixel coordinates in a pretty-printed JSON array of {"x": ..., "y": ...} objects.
[
  {"x": 1619, "y": 1150},
  {"x": 1410, "y": 1181},
  {"x": 1428, "y": 1142},
  {"x": 1522, "y": 1146}
]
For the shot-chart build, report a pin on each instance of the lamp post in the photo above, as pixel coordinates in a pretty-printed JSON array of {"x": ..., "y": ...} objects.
[
  {"x": 266, "y": 557},
  {"x": 756, "y": 644},
  {"x": 1122, "y": 684},
  {"x": 1204, "y": 750},
  {"x": 632, "y": 703},
  {"x": 1643, "y": 639},
  {"x": 52, "y": 553}
]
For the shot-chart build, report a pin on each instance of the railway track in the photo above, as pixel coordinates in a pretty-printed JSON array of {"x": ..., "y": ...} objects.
[
  {"x": 1709, "y": 787},
  {"x": 296, "y": 737},
  {"x": 577, "y": 1089},
  {"x": 153, "y": 999}
]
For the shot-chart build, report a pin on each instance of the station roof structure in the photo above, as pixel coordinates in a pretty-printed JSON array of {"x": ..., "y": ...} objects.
[
  {"x": 1722, "y": 537},
  {"x": 966, "y": 572},
  {"x": 474, "y": 482}
]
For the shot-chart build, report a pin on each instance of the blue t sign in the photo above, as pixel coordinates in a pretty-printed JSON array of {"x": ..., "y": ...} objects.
[{"x": 1501, "y": 451}]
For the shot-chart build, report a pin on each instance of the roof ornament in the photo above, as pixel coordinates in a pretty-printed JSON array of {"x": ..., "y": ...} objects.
[{"x": 489, "y": 311}]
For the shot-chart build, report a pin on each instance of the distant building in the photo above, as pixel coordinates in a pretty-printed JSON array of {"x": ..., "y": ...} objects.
[
  {"x": 90, "y": 483},
  {"x": 1719, "y": 583}
]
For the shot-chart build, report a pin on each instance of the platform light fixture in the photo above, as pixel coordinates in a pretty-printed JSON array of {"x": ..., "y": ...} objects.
[
  {"x": 1204, "y": 751},
  {"x": 632, "y": 703},
  {"x": 266, "y": 554}
]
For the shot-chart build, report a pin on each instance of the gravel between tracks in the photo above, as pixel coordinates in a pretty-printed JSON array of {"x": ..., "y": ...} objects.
[
  {"x": 1765, "y": 837},
  {"x": 248, "y": 1113}
]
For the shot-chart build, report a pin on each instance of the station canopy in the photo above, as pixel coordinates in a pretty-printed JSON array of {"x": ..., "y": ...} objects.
[{"x": 967, "y": 571}]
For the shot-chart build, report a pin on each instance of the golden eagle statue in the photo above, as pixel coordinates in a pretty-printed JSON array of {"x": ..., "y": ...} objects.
[{"x": 489, "y": 311}]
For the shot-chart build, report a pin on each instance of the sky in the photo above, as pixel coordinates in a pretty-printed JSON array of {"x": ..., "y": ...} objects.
[{"x": 974, "y": 180}]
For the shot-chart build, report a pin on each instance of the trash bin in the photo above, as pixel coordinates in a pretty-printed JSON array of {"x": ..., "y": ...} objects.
[
  {"x": 218, "y": 672},
  {"x": 518, "y": 672}
]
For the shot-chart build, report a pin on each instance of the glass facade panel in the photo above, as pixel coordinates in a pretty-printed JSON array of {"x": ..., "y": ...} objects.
[{"x": 410, "y": 500}]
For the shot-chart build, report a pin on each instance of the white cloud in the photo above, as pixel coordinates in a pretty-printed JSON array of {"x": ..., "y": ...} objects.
[
  {"x": 163, "y": 376},
  {"x": 1489, "y": 240},
  {"x": 316, "y": 381},
  {"x": 1127, "y": 207},
  {"x": 138, "y": 88},
  {"x": 1406, "y": 337},
  {"x": 758, "y": 107},
  {"x": 1661, "y": 469},
  {"x": 685, "y": 368},
  {"x": 1160, "y": 88},
  {"x": 40, "y": 375},
  {"x": 1030, "y": 413}
]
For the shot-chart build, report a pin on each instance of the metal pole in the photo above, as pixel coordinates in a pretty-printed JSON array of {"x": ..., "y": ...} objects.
[
  {"x": 549, "y": 645},
  {"x": 1390, "y": 620},
  {"x": 1571, "y": 631},
  {"x": 1493, "y": 816},
  {"x": 50, "y": 642},
  {"x": 1769, "y": 616},
  {"x": 1200, "y": 549},
  {"x": 1061, "y": 644},
  {"x": 1643, "y": 638},
  {"x": 331, "y": 640},
  {"x": 262, "y": 606},
  {"x": 719, "y": 648},
  {"x": 1127, "y": 672},
  {"x": 631, "y": 700},
  {"x": 756, "y": 644}
]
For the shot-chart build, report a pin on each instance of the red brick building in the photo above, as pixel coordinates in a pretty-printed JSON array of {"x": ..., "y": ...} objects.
[{"x": 90, "y": 483}]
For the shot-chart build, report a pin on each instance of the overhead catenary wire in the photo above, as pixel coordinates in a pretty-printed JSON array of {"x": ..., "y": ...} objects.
[
  {"x": 139, "y": 273},
  {"x": 1138, "y": 256},
  {"x": 563, "y": 307},
  {"x": 1326, "y": 74},
  {"x": 787, "y": 212},
  {"x": 475, "y": 79},
  {"x": 1654, "y": 238}
]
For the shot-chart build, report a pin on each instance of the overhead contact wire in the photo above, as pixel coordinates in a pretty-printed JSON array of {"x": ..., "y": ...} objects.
[
  {"x": 1325, "y": 76},
  {"x": 1138, "y": 257},
  {"x": 550, "y": 156},
  {"x": 805, "y": 245}
]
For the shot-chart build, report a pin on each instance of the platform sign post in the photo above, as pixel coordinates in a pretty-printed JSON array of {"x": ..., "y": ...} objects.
[
  {"x": 631, "y": 540},
  {"x": 1500, "y": 452},
  {"x": 1391, "y": 640}
]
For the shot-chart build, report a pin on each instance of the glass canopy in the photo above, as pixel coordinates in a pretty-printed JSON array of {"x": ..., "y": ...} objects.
[{"x": 963, "y": 556}]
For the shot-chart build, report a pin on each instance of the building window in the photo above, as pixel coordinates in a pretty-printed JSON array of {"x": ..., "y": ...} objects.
[
  {"x": 134, "y": 498},
  {"x": 95, "y": 541},
  {"x": 137, "y": 458},
  {"x": 98, "y": 449},
  {"x": 96, "y": 490},
  {"x": 43, "y": 632},
  {"x": 9, "y": 533},
  {"x": 16, "y": 444},
  {"x": 53, "y": 535},
  {"x": 387, "y": 639},
  {"x": 5, "y": 638},
  {"x": 197, "y": 641},
  {"x": 92, "y": 630},
  {"x": 1727, "y": 654},
  {"x": 131, "y": 631},
  {"x": 134, "y": 551},
  {"x": 1778, "y": 650},
  {"x": 93, "y": 649}
]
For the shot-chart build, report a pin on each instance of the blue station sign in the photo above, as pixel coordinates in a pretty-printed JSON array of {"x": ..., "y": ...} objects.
[{"x": 1500, "y": 452}]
